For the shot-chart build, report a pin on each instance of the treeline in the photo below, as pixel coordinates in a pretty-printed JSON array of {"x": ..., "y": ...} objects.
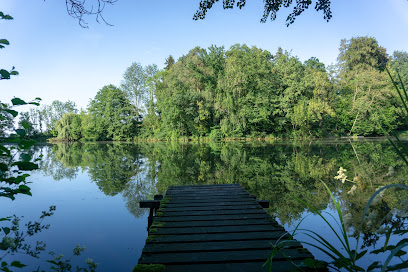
[
  {"x": 38, "y": 121},
  {"x": 248, "y": 92}
]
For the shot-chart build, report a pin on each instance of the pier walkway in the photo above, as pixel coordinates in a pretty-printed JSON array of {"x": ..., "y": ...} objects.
[{"x": 215, "y": 228}]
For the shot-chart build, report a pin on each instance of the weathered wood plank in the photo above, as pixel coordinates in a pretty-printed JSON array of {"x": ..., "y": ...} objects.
[
  {"x": 214, "y": 246},
  {"x": 211, "y": 212},
  {"x": 214, "y": 195},
  {"x": 188, "y": 238},
  {"x": 182, "y": 204},
  {"x": 210, "y": 199},
  {"x": 211, "y": 217},
  {"x": 216, "y": 229},
  {"x": 205, "y": 192},
  {"x": 149, "y": 204},
  {"x": 241, "y": 222},
  {"x": 210, "y": 208},
  {"x": 204, "y": 186},
  {"x": 236, "y": 267},
  {"x": 221, "y": 257}
]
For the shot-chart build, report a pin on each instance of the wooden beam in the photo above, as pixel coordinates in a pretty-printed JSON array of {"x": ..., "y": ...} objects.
[
  {"x": 153, "y": 204},
  {"x": 264, "y": 203}
]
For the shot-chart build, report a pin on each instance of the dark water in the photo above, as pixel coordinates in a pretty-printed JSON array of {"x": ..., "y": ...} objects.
[{"x": 96, "y": 189}]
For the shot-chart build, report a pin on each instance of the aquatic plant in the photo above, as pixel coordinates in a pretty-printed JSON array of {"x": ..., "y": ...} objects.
[{"x": 348, "y": 258}]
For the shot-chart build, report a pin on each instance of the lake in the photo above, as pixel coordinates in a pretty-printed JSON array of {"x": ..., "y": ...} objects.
[{"x": 96, "y": 188}]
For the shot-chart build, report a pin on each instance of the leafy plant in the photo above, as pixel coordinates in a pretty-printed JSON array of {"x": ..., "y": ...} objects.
[{"x": 348, "y": 258}]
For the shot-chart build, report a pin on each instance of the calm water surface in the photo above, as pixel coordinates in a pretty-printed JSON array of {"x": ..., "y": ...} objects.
[{"x": 96, "y": 189}]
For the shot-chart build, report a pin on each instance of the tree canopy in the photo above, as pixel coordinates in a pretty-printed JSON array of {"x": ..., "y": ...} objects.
[
  {"x": 271, "y": 8},
  {"x": 80, "y": 9}
]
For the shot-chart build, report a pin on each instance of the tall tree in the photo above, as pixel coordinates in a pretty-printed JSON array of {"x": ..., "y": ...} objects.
[
  {"x": 134, "y": 82},
  {"x": 366, "y": 103},
  {"x": 399, "y": 63},
  {"x": 69, "y": 127},
  {"x": 169, "y": 62},
  {"x": 111, "y": 116},
  {"x": 53, "y": 112}
]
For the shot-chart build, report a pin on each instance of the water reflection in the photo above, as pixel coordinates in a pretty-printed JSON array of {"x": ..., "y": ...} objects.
[{"x": 280, "y": 173}]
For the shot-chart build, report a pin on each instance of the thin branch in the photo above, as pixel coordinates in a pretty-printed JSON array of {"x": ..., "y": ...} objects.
[{"x": 77, "y": 10}]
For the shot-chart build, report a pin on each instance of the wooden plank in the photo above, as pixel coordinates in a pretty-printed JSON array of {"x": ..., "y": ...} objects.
[
  {"x": 189, "y": 224},
  {"x": 206, "y": 191},
  {"x": 210, "y": 208},
  {"x": 221, "y": 257},
  {"x": 215, "y": 195},
  {"x": 211, "y": 212},
  {"x": 213, "y": 246},
  {"x": 149, "y": 204},
  {"x": 210, "y": 217},
  {"x": 226, "y": 198},
  {"x": 188, "y": 238},
  {"x": 236, "y": 267},
  {"x": 216, "y": 229},
  {"x": 204, "y": 186},
  {"x": 208, "y": 204}
]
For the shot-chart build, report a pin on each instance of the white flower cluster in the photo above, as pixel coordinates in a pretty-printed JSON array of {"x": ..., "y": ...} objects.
[{"x": 341, "y": 175}]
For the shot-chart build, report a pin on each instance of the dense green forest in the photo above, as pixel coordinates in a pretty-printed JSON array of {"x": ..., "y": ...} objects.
[{"x": 243, "y": 92}]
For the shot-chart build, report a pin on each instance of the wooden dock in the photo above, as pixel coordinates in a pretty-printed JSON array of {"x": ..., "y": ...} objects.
[{"x": 215, "y": 228}]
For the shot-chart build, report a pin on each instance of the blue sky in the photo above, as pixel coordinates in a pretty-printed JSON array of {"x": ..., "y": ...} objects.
[{"x": 57, "y": 59}]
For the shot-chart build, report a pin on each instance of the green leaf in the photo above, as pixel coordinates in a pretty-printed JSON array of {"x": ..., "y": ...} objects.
[
  {"x": 5, "y": 16},
  {"x": 27, "y": 166},
  {"x": 12, "y": 112},
  {"x": 21, "y": 132},
  {"x": 17, "y": 264},
  {"x": 25, "y": 157},
  {"x": 24, "y": 188},
  {"x": 5, "y": 150},
  {"x": 373, "y": 266},
  {"x": 361, "y": 254},
  {"x": 377, "y": 251},
  {"x": 26, "y": 144},
  {"x": 17, "y": 101},
  {"x": 3, "y": 167},
  {"x": 4, "y": 74},
  {"x": 312, "y": 263},
  {"x": 4, "y": 41},
  {"x": 3, "y": 263},
  {"x": 6, "y": 230},
  {"x": 400, "y": 253},
  {"x": 398, "y": 267}
]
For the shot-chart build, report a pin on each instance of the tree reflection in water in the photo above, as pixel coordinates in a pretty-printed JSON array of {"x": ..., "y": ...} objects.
[{"x": 278, "y": 172}]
